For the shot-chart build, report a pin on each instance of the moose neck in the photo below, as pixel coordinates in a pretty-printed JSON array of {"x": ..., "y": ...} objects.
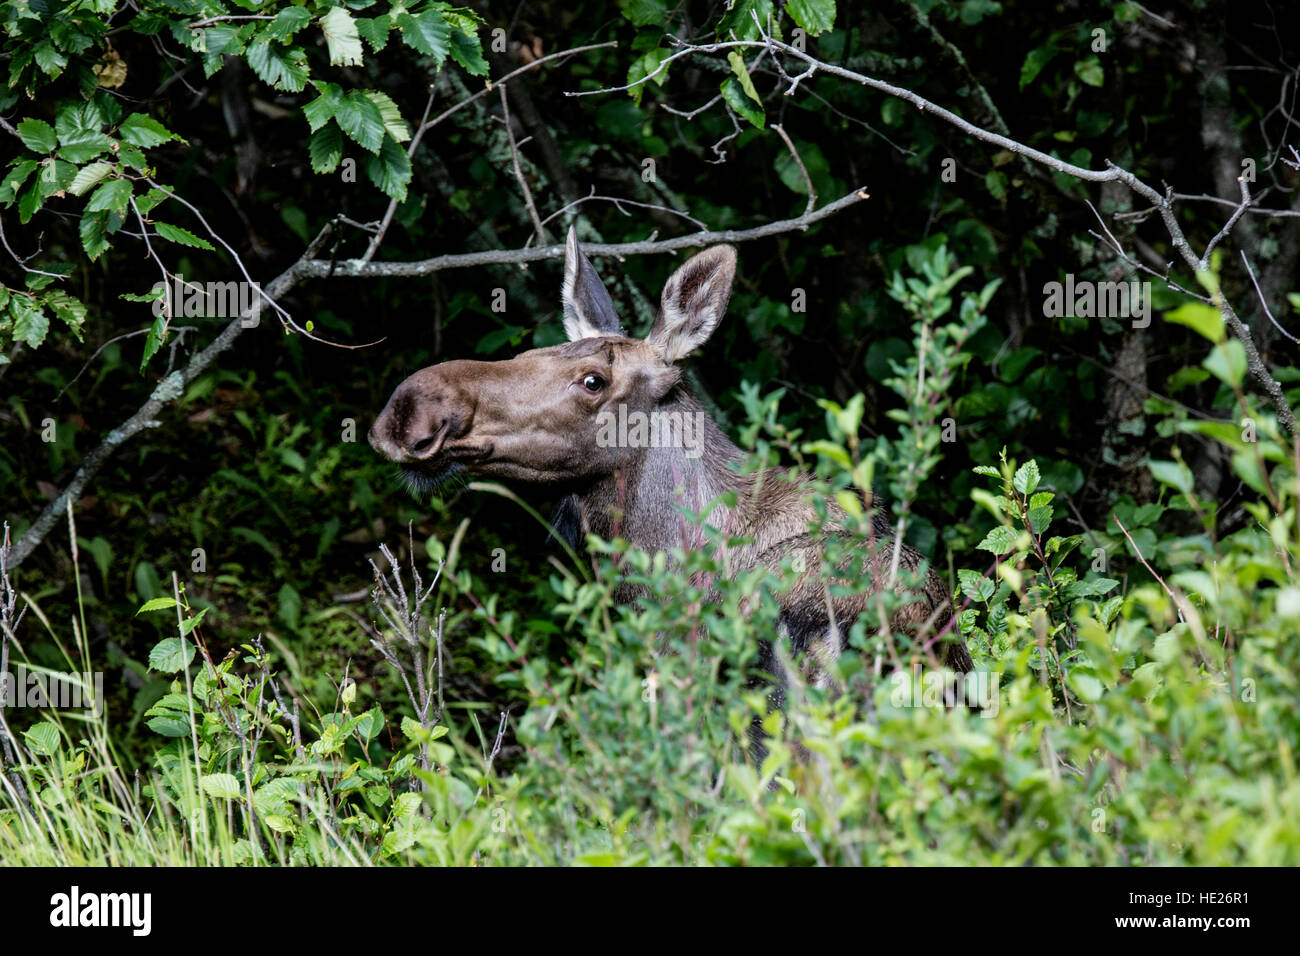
[{"x": 640, "y": 502}]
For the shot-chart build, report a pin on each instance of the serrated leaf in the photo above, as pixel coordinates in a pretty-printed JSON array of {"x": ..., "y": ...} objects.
[
  {"x": 468, "y": 52},
  {"x": 393, "y": 122},
  {"x": 30, "y": 323},
  {"x": 321, "y": 110},
  {"x": 221, "y": 785},
  {"x": 375, "y": 30},
  {"x": 341, "y": 37},
  {"x": 156, "y": 604},
  {"x": 390, "y": 170},
  {"x": 288, "y": 22},
  {"x": 1026, "y": 478},
  {"x": 815, "y": 16},
  {"x": 144, "y": 131},
  {"x": 285, "y": 68},
  {"x": 998, "y": 541},
  {"x": 93, "y": 230},
  {"x": 427, "y": 33},
  {"x": 169, "y": 726},
  {"x": 49, "y": 59},
  {"x": 37, "y": 135},
  {"x": 325, "y": 148},
  {"x": 150, "y": 200},
  {"x": 112, "y": 195},
  {"x": 170, "y": 655},
  {"x": 15, "y": 178},
  {"x": 82, "y": 145},
  {"x": 42, "y": 739},
  {"x": 361, "y": 120},
  {"x": 87, "y": 176},
  {"x": 182, "y": 236}
]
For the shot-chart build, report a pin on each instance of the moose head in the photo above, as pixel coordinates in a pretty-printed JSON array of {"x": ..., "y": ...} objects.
[{"x": 546, "y": 416}]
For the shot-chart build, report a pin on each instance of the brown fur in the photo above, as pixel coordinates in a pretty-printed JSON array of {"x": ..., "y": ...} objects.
[{"x": 534, "y": 418}]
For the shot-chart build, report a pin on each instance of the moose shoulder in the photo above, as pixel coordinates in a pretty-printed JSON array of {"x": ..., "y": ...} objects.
[{"x": 606, "y": 420}]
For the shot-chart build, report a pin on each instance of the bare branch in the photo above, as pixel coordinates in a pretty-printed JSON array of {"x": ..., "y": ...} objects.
[
  {"x": 1262, "y": 301},
  {"x": 807, "y": 180},
  {"x": 355, "y": 268}
]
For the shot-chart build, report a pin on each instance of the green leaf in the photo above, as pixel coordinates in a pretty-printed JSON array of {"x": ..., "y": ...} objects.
[
  {"x": 55, "y": 177},
  {"x": 1034, "y": 63},
  {"x": 393, "y": 122},
  {"x": 1201, "y": 318},
  {"x": 741, "y": 19},
  {"x": 221, "y": 785},
  {"x": 1086, "y": 686},
  {"x": 156, "y": 604},
  {"x": 390, "y": 170},
  {"x": 734, "y": 95},
  {"x": 325, "y": 148},
  {"x": 375, "y": 31},
  {"x": 814, "y": 16},
  {"x": 987, "y": 470},
  {"x": 112, "y": 195},
  {"x": 1089, "y": 71},
  {"x": 468, "y": 52},
  {"x": 170, "y": 655},
  {"x": 1026, "y": 478},
  {"x": 170, "y": 726},
  {"x": 641, "y": 68},
  {"x": 82, "y": 145},
  {"x": 341, "y": 37},
  {"x": 360, "y": 118},
  {"x": 975, "y": 586},
  {"x": 149, "y": 200},
  {"x": 287, "y": 22},
  {"x": 153, "y": 341},
  {"x": 144, "y": 131},
  {"x": 645, "y": 13},
  {"x": 42, "y": 739},
  {"x": 1172, "y": 473},
  {"x": 321, "y": 110},
  {"x": 998, "y": 541},
  {"x": 31, "y": 324},
  {"x": 1227, "y": 362},
  {"x": 182, "y": 236},
  {"x": 49, "y": 59},
  {"x": 93, "y": 229},
  {"x": 37, "y": 135},
  {"x": 742, "y": 76},
  {"x": 285, "y": 68},
  {"x": 427, "y": 33},
  {"x": 15, "y": 178}
]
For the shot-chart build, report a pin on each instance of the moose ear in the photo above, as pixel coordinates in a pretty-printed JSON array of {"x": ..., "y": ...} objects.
[
  {"x": 693, "y": 302},
  {"x": 588, "y": 309}
]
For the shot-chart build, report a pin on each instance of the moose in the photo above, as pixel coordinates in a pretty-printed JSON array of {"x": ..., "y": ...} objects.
[{"x": 544, "y": 418}]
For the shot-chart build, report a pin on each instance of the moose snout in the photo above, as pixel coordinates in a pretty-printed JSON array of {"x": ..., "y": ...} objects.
[{"x": 420, "y": 417}]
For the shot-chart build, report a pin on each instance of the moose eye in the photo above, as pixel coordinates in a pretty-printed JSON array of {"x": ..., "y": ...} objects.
[{"x": 593, "y": 383}]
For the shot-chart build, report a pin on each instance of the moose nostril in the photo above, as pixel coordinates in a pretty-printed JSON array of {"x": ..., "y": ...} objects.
[{"x": 422, "y": 444}]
